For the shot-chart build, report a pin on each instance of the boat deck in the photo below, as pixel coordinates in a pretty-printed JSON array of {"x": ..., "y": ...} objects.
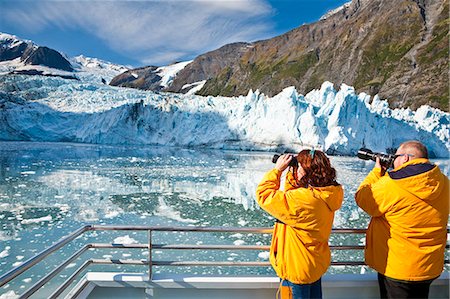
[{"x": 108, "y": 285}]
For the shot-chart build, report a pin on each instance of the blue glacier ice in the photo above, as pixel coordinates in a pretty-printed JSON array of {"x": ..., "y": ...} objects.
[{"x": 37, "y": 108}]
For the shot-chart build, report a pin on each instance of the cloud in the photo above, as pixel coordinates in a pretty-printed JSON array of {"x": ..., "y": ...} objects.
[{"x": 154, "y": 32}]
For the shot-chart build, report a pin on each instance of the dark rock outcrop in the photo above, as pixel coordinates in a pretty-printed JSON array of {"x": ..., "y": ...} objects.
[
  {"x": 31, "y": 54},
  {"x": 141, "y": 78},
  {"x": 47, "y": 57}
]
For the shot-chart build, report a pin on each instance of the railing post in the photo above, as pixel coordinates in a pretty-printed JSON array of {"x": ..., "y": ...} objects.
[{"x": 150, "y": 266}]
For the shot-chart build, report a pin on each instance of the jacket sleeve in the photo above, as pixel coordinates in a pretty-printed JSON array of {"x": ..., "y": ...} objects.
[
  {"x": 273, "y": 200},
  {"x": 370, "y": 195}
]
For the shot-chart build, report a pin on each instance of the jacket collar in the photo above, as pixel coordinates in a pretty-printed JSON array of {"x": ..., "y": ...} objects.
[{"x": 411, "y": 168}]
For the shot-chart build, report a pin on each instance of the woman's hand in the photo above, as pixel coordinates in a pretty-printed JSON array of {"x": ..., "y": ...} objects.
[{"x": 283, "y": 162}]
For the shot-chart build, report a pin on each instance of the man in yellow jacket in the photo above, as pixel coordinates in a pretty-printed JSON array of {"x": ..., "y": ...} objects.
[{"x": 406, "y": 237}]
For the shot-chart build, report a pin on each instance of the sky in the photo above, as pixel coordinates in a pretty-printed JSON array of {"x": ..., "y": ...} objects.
[{"x": 153, "y": 32}]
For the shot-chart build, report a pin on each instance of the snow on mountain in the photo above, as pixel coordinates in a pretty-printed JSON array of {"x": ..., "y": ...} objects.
[
  {"x": 94, "y": 69},
  {"x": 168, "y": 73},
  {"x": 16, "y": 55},
  {"x": 340, "y": 122},
  {"x": 336, "y": 10}
]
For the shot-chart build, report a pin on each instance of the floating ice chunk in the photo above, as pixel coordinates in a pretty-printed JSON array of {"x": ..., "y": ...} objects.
[
  {"x": 124, "y": 240},
  {"x": 5, "y": 252},
  {"x": 28, "y": 172},
  {"x": 238, "y": 235},
  {"x": 9, "y": 295},
  {"x": 112, "y": 214},
  {"x": 37, "y": 220},
  {"x": 71, "y": 265},
  {"x": 354, "y": 215},
  {"x": 239, "y": 242},
  {"x": 242, "y": 222},
  {"x": 264, "y": 255}
]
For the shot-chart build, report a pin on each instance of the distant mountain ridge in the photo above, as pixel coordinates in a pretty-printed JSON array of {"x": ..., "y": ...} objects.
[
  {"x": 24, "y": 57},
  {"x": 396, "y": 49},
  {"x": 31, "y": 54}
]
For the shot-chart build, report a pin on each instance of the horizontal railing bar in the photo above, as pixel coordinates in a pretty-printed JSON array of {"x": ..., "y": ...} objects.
[
  {"x": 263, "y": 230},
  {"x": 348, "y": 263},
  {"x": 8, "y": 276},
  {"x": 211, "y": 247},
  {"x": 208, "y": 247},
  {"x": 215, "y": 229},
  {"x": 70, "y": 279},
  {"x": 347, "y": 247},
  {"x": 206, "y": 263},
  {"x": 115, "y": 245},
  {"x": 54, "y": 272},
  {"x": 119, "y": 262},
  {"x": 348, "y": 230}
]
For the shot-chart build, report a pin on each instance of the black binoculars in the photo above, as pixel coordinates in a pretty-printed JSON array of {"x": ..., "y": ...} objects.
[
  {"x": 386, "y": 160},
  {"x": 293, "y": 163}
]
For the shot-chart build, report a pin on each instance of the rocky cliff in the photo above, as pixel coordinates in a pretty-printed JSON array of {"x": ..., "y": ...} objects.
[{"x": 397, "y": 49}]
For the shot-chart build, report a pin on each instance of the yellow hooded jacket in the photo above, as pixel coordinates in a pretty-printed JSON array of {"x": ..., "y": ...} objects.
[
  {"x": 407, "y": 234},
  {"x": 299, "y": 251}
]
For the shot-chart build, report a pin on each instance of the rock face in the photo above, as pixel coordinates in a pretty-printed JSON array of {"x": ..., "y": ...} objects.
[
  {"x": 30, "y": 54},
  {"x": 46, "y": 56},
  {"x": 141, "y": 78},
  {"x": 397, "y": 49}
]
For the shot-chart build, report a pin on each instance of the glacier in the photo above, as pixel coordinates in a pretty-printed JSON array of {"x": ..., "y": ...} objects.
[{"x": 36, "y": 108}]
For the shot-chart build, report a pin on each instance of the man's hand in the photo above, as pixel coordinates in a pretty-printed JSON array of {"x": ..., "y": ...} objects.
[
  {"x": 283, "y": 162},
  {"x": 378, "y": 165}
]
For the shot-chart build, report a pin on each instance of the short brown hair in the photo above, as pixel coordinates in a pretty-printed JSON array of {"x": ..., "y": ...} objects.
[
  {"x": 416, "y": 148},
  {"x": 318, "y": 169}
]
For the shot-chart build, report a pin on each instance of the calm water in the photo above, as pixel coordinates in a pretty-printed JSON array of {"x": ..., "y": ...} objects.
[{"x": 48, "y": 190}]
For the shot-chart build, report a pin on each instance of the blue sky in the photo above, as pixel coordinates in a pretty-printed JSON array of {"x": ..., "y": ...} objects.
[{"x": 153, "y": 32}]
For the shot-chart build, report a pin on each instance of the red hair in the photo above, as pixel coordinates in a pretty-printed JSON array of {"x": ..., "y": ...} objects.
[{"x": 318, "y": 169}]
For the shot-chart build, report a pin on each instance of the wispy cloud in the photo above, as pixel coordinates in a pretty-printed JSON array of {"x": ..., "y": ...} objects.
[{"x": 154, "y": 32}]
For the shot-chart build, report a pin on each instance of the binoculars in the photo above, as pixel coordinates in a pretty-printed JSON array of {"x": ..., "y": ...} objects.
[{"x": 293, "y": 163}]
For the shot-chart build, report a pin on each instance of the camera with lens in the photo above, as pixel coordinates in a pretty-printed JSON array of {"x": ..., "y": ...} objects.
[
  {"x": 293, "y": 162},
  {"x": 386, "y": 160}
]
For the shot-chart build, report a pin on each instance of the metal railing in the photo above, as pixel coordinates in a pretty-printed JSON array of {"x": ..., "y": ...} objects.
[{"x": 13, "y": 273}]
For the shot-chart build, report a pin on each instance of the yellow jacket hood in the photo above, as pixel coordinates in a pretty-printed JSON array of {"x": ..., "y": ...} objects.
[
  {"x": 419, "y": 177},
  {"x": 331, "y": 195}
]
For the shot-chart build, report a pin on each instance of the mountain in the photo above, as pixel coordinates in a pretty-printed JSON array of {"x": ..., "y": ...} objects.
[
  {"x": 149, "y": 77},
  {"x": 31, "y": 54},
  {"x": 18, "y": 56},
  {"x": 396, "y": 49},
  {"x": 37, "y": 108}
]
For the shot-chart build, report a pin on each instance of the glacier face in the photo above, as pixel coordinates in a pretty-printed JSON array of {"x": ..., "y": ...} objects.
[{"x": 340, "y": 122}]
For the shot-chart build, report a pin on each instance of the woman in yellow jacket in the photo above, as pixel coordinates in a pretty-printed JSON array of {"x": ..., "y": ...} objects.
[{"x": 299, "y": 251}]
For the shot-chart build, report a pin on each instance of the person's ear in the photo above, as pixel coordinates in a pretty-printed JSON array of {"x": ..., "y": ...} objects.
[{"x": 404, "y": 158}]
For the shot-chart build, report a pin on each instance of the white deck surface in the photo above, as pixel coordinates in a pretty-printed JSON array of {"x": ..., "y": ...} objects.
[{"x": 121, "y": 285}]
